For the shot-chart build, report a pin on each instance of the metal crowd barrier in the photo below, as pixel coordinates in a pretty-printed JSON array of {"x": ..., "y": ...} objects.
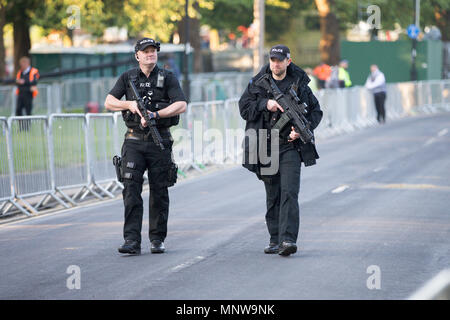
[
  {"x": 437, "y": 288},
  {"x": 182, "y": 145},
  {"x": 43, "y": 104},
  {"x": 48, "y": 157},
  {"x": 7, "y": 101},
  {"x": 74, "y": 94},
  {"x": 100, "y": 129},
  {"x": 349, "y": 109},
  {"x": 7, "y": 191},
  {"x": 68, "y": 139},
  {"x": 31, "y": 169},
  {"x": 197, "y": 123},
  {"x": 234, "y": 135}
]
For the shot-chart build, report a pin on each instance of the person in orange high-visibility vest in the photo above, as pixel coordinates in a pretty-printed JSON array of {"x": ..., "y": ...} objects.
[
  {"x": 323, "y": 73},
  {"x": 26, "y": 80}
]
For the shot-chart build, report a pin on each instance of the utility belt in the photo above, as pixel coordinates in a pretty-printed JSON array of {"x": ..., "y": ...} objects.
[{"x": 133, "y": 134}]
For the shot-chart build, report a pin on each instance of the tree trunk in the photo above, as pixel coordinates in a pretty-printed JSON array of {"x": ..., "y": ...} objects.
[
  {"x": 196, "y": 44},
  {"x": 2, "y": 42},
  {"x": 22, "y": 42},
  {"x": 194, "y": 40},
  {"x": 442, "y": 22},
  {"x": 329, "y": 46},
  {"x": 258, "y": 22}
]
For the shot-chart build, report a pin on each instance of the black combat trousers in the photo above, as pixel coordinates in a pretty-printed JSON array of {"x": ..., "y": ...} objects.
[
  {"x": 283, "y": 213},
  {"x": 137, "y": 157}
]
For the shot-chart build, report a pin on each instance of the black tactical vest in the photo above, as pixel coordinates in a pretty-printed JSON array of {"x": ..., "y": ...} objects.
[{"x": 157, "y": 99}]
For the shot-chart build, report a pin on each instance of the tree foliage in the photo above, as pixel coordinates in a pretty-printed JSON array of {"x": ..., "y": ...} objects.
[
  {"x": 401, "y": 12},
  {"x": 230, "y": 14},
  {"x": 160, "y": 18},
  {"x": 60, "y": 15}
]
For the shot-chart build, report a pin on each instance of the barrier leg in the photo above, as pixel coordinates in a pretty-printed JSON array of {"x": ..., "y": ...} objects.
[
  {"x": 105, "y": 191},
  {"x": 29, "y": 207},
  {"x": 54, "y": 196},
  {"x": 66, "y": 197},
  {"x": 10, "y": 204}
]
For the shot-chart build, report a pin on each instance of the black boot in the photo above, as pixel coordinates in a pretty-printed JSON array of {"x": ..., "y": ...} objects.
[
  {"x": 130, "y": 247},
  {"x": 271, "y": 248},
  {"x": 287, "y": 248},
  {"x": 157, "y": 246}
]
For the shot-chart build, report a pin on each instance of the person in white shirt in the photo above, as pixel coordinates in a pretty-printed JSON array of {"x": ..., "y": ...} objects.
[{"x": 376, "y": 83}]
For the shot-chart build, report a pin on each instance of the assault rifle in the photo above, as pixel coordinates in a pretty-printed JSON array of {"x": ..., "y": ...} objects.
[
  {"x": 151, "y": 122},
  {"x": 294, "y": 109}
]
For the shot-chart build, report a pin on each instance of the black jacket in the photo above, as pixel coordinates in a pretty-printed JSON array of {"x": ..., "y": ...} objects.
[{"x": 252, "y": 106}]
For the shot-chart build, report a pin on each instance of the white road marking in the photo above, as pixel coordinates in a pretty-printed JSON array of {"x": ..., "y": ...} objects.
[
  {"x": 429, "y": 141},
  {"x": 406, "y": 186},
  {"x": 340, "y": 189},
  {"x": 187, "y": 263},
  {"x": 441, "y": 133}
]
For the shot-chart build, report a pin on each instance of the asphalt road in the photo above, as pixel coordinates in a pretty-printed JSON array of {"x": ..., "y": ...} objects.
[{"x": 378, "y": 199}]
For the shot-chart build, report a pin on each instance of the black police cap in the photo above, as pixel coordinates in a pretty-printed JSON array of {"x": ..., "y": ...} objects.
[
  {"x": 144, "y": 43},
  {"x": 280, "y": 52}
]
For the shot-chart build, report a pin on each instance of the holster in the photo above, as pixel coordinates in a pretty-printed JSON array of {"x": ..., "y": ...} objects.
[
  {"x": 117, "y": 162},
  {"x": 173, "y": 174}
]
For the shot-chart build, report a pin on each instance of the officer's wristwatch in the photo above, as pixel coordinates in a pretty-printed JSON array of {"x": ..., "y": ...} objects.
[{"x": 154, "y": 115}]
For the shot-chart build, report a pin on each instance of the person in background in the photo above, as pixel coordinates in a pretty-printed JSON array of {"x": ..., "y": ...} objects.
[
  {"x": 172, "y": 66},
  {"x": 322, "y": 72},
  {"x": 376, "y": 83},
  {"x": 26, "y": 80},
  {"x": 333, "y": 80},
  {"x": 313, "y": 83},
  {"x": 343, "y": 75}
]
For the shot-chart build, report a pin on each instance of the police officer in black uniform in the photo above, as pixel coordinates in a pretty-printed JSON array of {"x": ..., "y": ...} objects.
[
  {"x": 261, "y": 111},
  {"x": 165, "y": 101}
]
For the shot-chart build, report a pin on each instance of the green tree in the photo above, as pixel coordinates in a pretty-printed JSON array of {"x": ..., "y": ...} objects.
[
  {"x": 18, "y": 13},
  {"x": 432, "y": 13},
  {"x": 329, "y": 45},
  {"x": 154, "y": 18},
  {"x": 339, "y": 15},
  {"x": 2, "y": 42},
  {"x": 401, "y": 12},
  {"x": 66, "y": 15},
  {"x": 50, "y": 15},
  {"x": 229, "y": 14}
]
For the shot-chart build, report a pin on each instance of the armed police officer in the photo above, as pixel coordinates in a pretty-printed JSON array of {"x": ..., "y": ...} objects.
[
  {"x": 165, "y": 100},
  {"x": 259, "y": 107}
]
